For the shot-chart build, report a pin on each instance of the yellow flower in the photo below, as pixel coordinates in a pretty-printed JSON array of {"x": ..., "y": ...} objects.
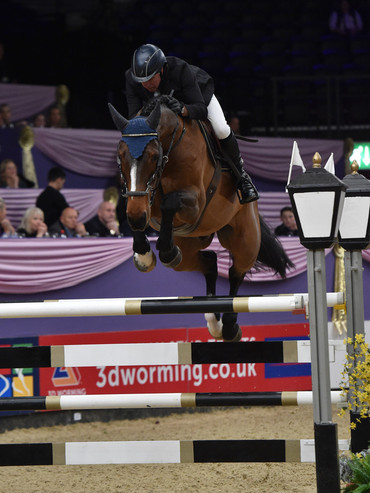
[{"x": 360, "y": 338}]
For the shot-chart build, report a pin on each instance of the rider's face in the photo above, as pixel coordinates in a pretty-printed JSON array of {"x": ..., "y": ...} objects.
[{"x": 152, "y": 84}]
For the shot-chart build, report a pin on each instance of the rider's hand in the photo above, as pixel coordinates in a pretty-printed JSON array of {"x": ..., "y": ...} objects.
[{"x": 175, "y": 106}]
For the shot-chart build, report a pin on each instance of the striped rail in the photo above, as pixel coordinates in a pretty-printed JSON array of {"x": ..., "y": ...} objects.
[
  {"x": 161, "y": 306},
  {"x": 166, "y": 353},
  {"x": 175, "y": 400}
]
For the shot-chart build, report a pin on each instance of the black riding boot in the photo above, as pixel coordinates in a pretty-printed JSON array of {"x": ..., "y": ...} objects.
[{"x": 247, "y": 192}]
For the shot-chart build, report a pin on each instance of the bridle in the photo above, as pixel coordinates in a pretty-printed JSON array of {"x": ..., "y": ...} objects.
[{"x": 154, "y": 180}]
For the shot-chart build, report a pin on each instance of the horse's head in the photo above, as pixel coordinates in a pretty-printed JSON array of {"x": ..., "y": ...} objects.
[{"x": 141, "y": 162}]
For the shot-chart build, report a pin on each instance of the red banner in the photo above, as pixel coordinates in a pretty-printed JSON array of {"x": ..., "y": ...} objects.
[{"x": 241, "y": 377}]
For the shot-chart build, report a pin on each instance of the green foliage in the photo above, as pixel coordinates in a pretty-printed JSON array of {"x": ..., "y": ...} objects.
[{"x": 360, "y": 477}]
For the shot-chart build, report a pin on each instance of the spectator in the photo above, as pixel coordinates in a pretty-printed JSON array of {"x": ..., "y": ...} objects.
[
  {"x": 32, "y": 224},
  {"x": 6, "y": 116},
  {"x": 6, "y": 228},
  {"x": 10, "y": 178},
  {"x": 345, "y": 19},
  {"x": 51, "y": 200},
  {"x": 54, "y": 119},
  {"x": 39, "y": 121},
  {"x": 288, "y": 226},
  {"x": 104, "y": 223},
  {"x": 67, "y": 225}
]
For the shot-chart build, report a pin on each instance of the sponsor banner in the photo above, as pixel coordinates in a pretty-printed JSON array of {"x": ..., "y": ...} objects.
[
  {"x": 242, "y": 377},
  {"x": 19, "y": 382}
]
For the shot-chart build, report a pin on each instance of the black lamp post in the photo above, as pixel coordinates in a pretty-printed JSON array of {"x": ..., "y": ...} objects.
[
  {"x": 354, "y": 229},
  {"x": 354, "y": 236},
  {"x": 317, "y": 198}
]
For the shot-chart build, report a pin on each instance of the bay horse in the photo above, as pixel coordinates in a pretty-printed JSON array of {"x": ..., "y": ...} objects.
[{"x": 172, "y": 183}]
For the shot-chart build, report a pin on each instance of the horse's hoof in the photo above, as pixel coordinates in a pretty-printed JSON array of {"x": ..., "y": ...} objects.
[
  {"x": 214, "y": 325},
  {"x": 236, "y": 337},
  {"x": 171, "y": 259},
  {"x": 146, "y": 262}
]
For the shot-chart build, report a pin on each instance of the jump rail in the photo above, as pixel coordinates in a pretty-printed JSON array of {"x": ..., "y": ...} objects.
[
  {"x": 160, "y": 306},
  {"x": 175, "y": 400},
  {"x": 159, "y": 452},
  {"x": 166, "y": 353}
]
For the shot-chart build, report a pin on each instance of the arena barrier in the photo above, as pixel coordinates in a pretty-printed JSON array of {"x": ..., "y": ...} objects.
[
  {"x": 166, "y": 353},
  {"x": 173, "y": 451},
  {"x": 159, "y": 452},
  {"x": 162, "y": 306},
  {"x": 152, "y": 401}
]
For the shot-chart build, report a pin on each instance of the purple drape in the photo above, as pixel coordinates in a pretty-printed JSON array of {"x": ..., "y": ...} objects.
[
  {"x": 39, "y": 265},
  {"x": 93, "y": 152},
  {"x": 269, "y": 158},
  {"x": 88, "y": 152},
  {"x": 25, "y": 100}
]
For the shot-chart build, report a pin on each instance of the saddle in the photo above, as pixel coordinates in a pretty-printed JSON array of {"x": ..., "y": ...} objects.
[{"x": 213, "y": 145}]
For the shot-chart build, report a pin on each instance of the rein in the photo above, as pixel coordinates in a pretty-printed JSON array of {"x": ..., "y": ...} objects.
[{"x": 153, "y": 182}]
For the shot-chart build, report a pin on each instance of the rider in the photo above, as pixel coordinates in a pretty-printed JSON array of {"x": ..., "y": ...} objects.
[{"x": 152, "y": 74}]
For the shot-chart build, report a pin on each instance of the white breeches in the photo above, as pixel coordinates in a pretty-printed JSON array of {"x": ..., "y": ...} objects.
[{"x": 217, "y": 118}]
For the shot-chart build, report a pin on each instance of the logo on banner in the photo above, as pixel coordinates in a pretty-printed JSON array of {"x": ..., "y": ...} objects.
[
  {"x": 17, "y": 382},
  {"x": 65, "y": 377},
  {"x": 5, "y": 386}
]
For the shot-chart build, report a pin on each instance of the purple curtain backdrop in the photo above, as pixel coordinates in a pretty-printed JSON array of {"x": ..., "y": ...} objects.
[
  {"x": 88, "y": 152},
  {"x": 93, "y": 152},
  {"x": 38, "y": 265},
  {"x": 26, "y": 100}
]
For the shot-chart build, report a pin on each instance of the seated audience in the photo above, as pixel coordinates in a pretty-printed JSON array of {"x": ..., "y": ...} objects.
[
  {"x": 39, "y": 121},
  {"x": 67, "y": 225},
  {"x": 6, "y": 228},
  {"x": 104, "y": 223},
  {"x": 288, "y": 226},
  {"x": 32, "y": 224},
  {"x": 6, "y": 116},
  {"x": 51, "y": 200},
  {"x": 54, "y": 119},
  {"x": 10, "y": 178}
]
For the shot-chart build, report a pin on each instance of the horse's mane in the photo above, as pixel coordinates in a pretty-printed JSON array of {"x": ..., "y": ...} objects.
[{"x": 152, "y": 103}]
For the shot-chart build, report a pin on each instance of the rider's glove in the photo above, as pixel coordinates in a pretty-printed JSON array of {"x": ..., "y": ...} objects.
[{"x": 176, "y": 106}]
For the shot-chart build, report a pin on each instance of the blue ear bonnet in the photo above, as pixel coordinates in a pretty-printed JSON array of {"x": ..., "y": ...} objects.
[{"x": 137, "y": 135}]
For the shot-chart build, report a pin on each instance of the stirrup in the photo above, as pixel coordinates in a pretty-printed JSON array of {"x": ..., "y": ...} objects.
[
  {"x": 246, "y": 200},
  {"x": 252, "y": 196}
]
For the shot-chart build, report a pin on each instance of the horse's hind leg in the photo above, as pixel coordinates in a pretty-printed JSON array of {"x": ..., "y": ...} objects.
[
  {"x": 213, "y": 319},
  {"x": 204, "y": 261},
  {"x": 231, "y": 331},
  {"x": 144, "y": 258}
]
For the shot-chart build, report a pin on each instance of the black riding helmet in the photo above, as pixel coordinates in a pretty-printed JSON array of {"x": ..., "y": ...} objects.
[{"x": 147, "y": 61}]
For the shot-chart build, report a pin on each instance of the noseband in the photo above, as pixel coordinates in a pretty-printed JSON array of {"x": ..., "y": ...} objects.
[{"x": 154, "y": 180}]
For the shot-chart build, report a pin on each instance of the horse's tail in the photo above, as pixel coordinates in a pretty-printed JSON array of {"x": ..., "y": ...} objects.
[{"x": 271, "y": 253}]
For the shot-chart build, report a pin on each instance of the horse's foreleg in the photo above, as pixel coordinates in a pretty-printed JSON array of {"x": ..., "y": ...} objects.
[
  {"x": 169, "y": 254},
  {"x": 231, "y": 332},
  {"x": 144, "y": 258}
]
